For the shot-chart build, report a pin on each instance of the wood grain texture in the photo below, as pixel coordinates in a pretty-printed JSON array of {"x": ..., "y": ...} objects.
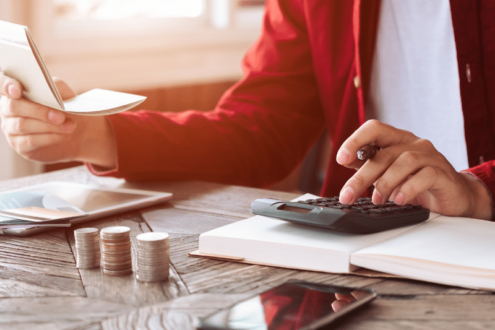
[
  {"x": 126, "y": 289},
  {"x": 54, "y": 313},
  {"x": 173, "y": 220},
  {"x": 426, "y": 312},
  {"x": 180, "y": 313},
  {"x": 37, "y": 266},
  {"x": 212, "y": 198}
]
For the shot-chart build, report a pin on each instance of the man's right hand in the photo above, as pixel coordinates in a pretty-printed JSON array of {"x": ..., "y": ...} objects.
[{"x": 47, "y": 135}]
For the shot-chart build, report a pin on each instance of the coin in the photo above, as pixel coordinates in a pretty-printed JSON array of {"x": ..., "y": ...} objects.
[
  {"x": 115, "y": 230},
  {"x": 117, "y": 272},
  {"x": 152, "y": 237},
  {"x": 86, "y": 231},
  {"x": 87, "y": 248},
  {"x": 153, "y": 257},
  {"x": 116, "y": 255}
]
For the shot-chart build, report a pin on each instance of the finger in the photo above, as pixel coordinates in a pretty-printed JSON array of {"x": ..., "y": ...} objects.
[
  {"x": 418, "y": 183},
  {"x": 28, "y": 109},
  {"x": 25, "y": 144},
  {"x": 356, "y": 164},
  {"x": 395, "y": 192},
  {"x": 347, "y": 297},
  {"x": 64, "y": 89},
  {"x": 407, "y": 164},
  {"x": 10, "y": 87},
  {"x": 339, "y": 304},
  {"x": 371, "y": 132},
  {"x": 25, "y": 126},
  {"x": 368, "y": 174}
]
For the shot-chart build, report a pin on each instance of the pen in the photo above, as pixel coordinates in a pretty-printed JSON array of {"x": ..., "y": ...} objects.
[{"x": 367, "y": 152}]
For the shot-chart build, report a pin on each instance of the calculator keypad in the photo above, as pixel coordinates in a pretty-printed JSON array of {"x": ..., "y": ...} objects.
[{"x": 364, "y": 205}]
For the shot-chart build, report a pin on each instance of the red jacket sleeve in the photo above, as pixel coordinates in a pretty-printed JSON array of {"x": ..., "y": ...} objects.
[
  {"x": 260, "y": 130},
  {"x": 486, "y": 174}
]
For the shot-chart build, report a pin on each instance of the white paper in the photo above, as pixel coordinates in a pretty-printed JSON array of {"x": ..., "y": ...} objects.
[
  {"x": 448, "y": 240},
  {"x": 100, "y": 100}
]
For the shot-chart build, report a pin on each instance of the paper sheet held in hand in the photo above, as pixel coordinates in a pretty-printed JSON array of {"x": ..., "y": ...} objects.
[{"x": 21, "y": 60}]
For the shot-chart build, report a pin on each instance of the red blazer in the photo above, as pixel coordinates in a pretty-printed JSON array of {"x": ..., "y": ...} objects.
[{"x": 309, "y": 70}]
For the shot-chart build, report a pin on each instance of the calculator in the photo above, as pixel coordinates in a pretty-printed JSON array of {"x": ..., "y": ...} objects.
[{"x": 362, "y": 217}]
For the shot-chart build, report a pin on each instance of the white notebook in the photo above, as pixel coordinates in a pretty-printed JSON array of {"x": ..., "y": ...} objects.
[
  {"x": 21, "y": 60},
  {"x": 446, "y": 250}
]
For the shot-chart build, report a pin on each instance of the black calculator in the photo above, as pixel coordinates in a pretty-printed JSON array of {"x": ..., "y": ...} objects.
[{"x": 362, "y": 217}]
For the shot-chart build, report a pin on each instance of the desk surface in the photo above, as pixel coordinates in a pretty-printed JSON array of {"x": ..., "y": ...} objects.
[{"x": 41, "y": 288}]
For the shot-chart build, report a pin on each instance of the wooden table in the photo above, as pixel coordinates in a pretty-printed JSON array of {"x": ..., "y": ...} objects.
[{"x": 41, "y": 288}]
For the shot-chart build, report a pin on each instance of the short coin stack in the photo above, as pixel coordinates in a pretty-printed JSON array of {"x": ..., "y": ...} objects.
[
  {"x": 153, "y": 257},
  {"x": 87, "y": 248},
  {"x": 116, "y": 258}
]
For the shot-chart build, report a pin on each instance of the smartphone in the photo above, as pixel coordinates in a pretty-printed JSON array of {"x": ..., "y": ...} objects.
[{"x": 294, "y": 305}]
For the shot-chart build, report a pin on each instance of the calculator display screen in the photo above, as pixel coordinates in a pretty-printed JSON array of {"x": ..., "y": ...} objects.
[
  {"x": 288, "y": 306},
  {"x": 294, "y": 209}
]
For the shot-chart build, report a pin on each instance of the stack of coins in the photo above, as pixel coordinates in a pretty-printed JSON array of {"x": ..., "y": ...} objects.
[
  {"x": 116, "y": 258},
  {"x": 87, "y": 248},
  {"x": 153, "y": 257}
]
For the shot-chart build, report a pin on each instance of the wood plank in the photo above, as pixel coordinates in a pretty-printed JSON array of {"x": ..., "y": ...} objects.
[
  {"x": 413, "y": 325},
  {"x": 170, "y": 219},
  {"x": 430, "y": 308},
  {"x": 126, "y": 289},
  {"x": 212, "y": 197},
  {"x": 37, "y": 266},
  {"x": 55, "y": 313},
  {"x": 178, "y": 314}
]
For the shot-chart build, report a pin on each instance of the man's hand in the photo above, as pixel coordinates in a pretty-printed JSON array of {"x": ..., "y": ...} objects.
[
  {"x": 410, "y": 170},
  {"x": 47, "y": 135}
]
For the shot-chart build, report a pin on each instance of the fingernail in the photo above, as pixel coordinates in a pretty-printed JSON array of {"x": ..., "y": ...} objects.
[
  {"x": 14, "y": 91},
  {"x": 68, "y": 126},
  {"x": 343, "y": 156},
  {"x": 399, "y": 199},
  {"x": 56, "y": 117},
  {"x": 346, "y": 195},
  {"x": 377, "y": 197}
]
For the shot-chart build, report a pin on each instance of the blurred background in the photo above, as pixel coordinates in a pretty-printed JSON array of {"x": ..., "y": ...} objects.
[{"x": 181, "y": 54}]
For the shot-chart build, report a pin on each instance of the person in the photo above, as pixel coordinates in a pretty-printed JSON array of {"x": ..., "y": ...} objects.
[{"x": 423, "y": 65}]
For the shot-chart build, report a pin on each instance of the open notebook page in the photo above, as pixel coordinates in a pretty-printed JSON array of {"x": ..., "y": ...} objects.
[
  {"x": 447, "y": 250},
  {"x": 279, "y": 243}
]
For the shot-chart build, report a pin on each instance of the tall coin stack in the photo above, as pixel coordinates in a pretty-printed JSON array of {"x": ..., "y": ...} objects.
[
  {"x": 153, "y": 257},
  {"x": 116, "y": 258},
  {"x": 87, "y": 248}
]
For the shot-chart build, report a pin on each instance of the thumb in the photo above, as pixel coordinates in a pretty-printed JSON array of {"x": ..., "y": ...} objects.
[
  {"x": 64, "y": 89},
  {"x": 10, "y": 87}
]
